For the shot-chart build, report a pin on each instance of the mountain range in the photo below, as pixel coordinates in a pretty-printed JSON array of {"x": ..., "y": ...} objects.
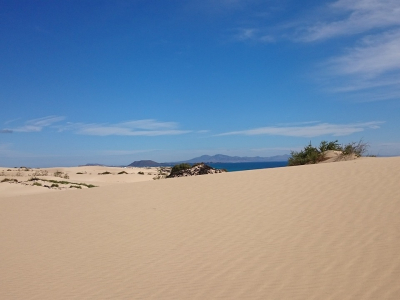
[{"x": 218, "y": 158}]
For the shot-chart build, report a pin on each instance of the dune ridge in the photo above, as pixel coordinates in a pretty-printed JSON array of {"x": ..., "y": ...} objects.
[{"x": 326, "y": 231}]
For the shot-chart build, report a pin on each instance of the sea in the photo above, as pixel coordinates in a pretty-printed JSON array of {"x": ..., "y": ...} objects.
[{"x": 234, "y": 167}]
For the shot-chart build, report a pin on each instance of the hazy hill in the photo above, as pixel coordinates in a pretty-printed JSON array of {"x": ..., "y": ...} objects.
[
  {"x": 218, "y": 158},
  {"x": 147, "y": 163}
]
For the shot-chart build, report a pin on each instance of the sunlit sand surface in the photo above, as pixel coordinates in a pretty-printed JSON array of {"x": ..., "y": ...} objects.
[{"x": 326, "y": 231}]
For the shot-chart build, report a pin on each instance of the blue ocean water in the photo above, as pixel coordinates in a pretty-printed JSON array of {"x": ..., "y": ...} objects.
[{"x": 234, "y": 167}]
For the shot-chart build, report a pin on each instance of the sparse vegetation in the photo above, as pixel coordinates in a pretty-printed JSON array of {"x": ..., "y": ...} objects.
[
  {"x": 313, "y": 155},
  {"x": 104, "y": 173},
  {"x": 309, "y": 155},
  {"x": 9, "y": 180},
  {"x": 122, "y": 172},
  {"x": 141, "y": 173},
  {"x": 62, "y": 182},
  {"x": 58, "y": 174},
  {"x": 54, "y": 185},
  {"x": 37, "y": 183},
  {"x": 75, "y": 186},
  {"x": 40, "y": 173},
  {"x": 358, "y": 149},
  {"x": 180, "y": 167}
]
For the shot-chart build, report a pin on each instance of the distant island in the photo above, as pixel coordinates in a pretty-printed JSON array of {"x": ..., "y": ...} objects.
[{"x": 218, "y": 158}]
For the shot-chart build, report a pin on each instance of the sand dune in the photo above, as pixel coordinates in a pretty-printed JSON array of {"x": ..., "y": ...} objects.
[
  {"x": 327, "y": 231},
  {"x": 20, "y": 183}
]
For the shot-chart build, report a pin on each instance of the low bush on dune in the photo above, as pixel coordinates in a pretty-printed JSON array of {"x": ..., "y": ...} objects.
[
  {"x": 61, "y": 175},
  {"x": 313, "y": 155},
  {"x": 56, "y": 183},
  {"x": 122, "y": 172},
  {"x": 358, "y": 149},
  {"x": 40, "y": 173},
  {"x": 180, "y": 167},
  {"x": 9, "y": 180}
]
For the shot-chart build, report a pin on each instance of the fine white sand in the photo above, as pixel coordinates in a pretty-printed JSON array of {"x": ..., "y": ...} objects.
[{"x": 326, "y": 231}]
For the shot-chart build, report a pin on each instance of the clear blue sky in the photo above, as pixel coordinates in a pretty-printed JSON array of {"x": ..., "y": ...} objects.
[{"x": 117, "y": 81}]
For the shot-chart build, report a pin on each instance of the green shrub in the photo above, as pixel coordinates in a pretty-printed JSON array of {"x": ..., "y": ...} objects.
[
  {"x": 54, "y": 185},
  {"x": 9, "y": 180},
  {"x": 180, "y": 167},
  {"x": 141, "y": 173},
  {"x": 122, "y": 172},
  {"x": 358, "y": 149},
  {"x": 325, "y": 146},
  {"x": 37, "y": 183},
  {"x": 104, "y": 173},
  {"x": 313, "y": 155},
  {"x": 75, "y": 186},
  {"x": 309, "y": 155},
  {"x": 58, "y": 174}
]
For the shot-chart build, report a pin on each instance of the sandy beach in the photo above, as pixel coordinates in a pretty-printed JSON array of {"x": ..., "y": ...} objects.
[{"x": 325, "y": 231}]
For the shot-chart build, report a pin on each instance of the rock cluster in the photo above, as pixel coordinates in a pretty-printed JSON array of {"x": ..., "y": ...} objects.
[{"x": 198, "y": 169}]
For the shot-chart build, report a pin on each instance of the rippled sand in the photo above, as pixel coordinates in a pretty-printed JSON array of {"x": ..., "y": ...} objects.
[{"x": 327, "y": 231}]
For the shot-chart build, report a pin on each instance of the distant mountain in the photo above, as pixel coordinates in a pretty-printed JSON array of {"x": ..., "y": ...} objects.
[
  {"x": 148, "y": 163},
  {"x": 93, "y": 165},
  {"x": 220, "y": 158}
]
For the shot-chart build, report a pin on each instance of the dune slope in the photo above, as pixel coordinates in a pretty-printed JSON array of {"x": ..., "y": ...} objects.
[{"x": 329, "y": 231}]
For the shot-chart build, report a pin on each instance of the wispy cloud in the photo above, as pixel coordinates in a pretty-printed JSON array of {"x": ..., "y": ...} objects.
[
  {"x": 309, "y": 131},
  {"x": 147, "y": 127},
  {"x": 354, "y": 17},
  {"x": 373, "y": 61},
  {"x": 6, "y": 131},
  {"x": 253, "y": 34},
  {"x": 36, "y": 125}
]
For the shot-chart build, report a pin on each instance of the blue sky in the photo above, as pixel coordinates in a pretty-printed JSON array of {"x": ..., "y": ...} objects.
[{"x": 117, "y": 81}]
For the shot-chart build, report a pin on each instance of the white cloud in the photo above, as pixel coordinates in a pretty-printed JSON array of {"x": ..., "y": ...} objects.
[
  {"x": 36, "y": 125},
  {"x": 356, "y": 17},
  {"x": 6, "y": 131},
  {"x": 253, "y": 34},
  {"x": 372, "y": 61},
  {"x": 147, "y": 127},
  {"x": 374, "y": 56},
  {"x": 309, "y": 131}
]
